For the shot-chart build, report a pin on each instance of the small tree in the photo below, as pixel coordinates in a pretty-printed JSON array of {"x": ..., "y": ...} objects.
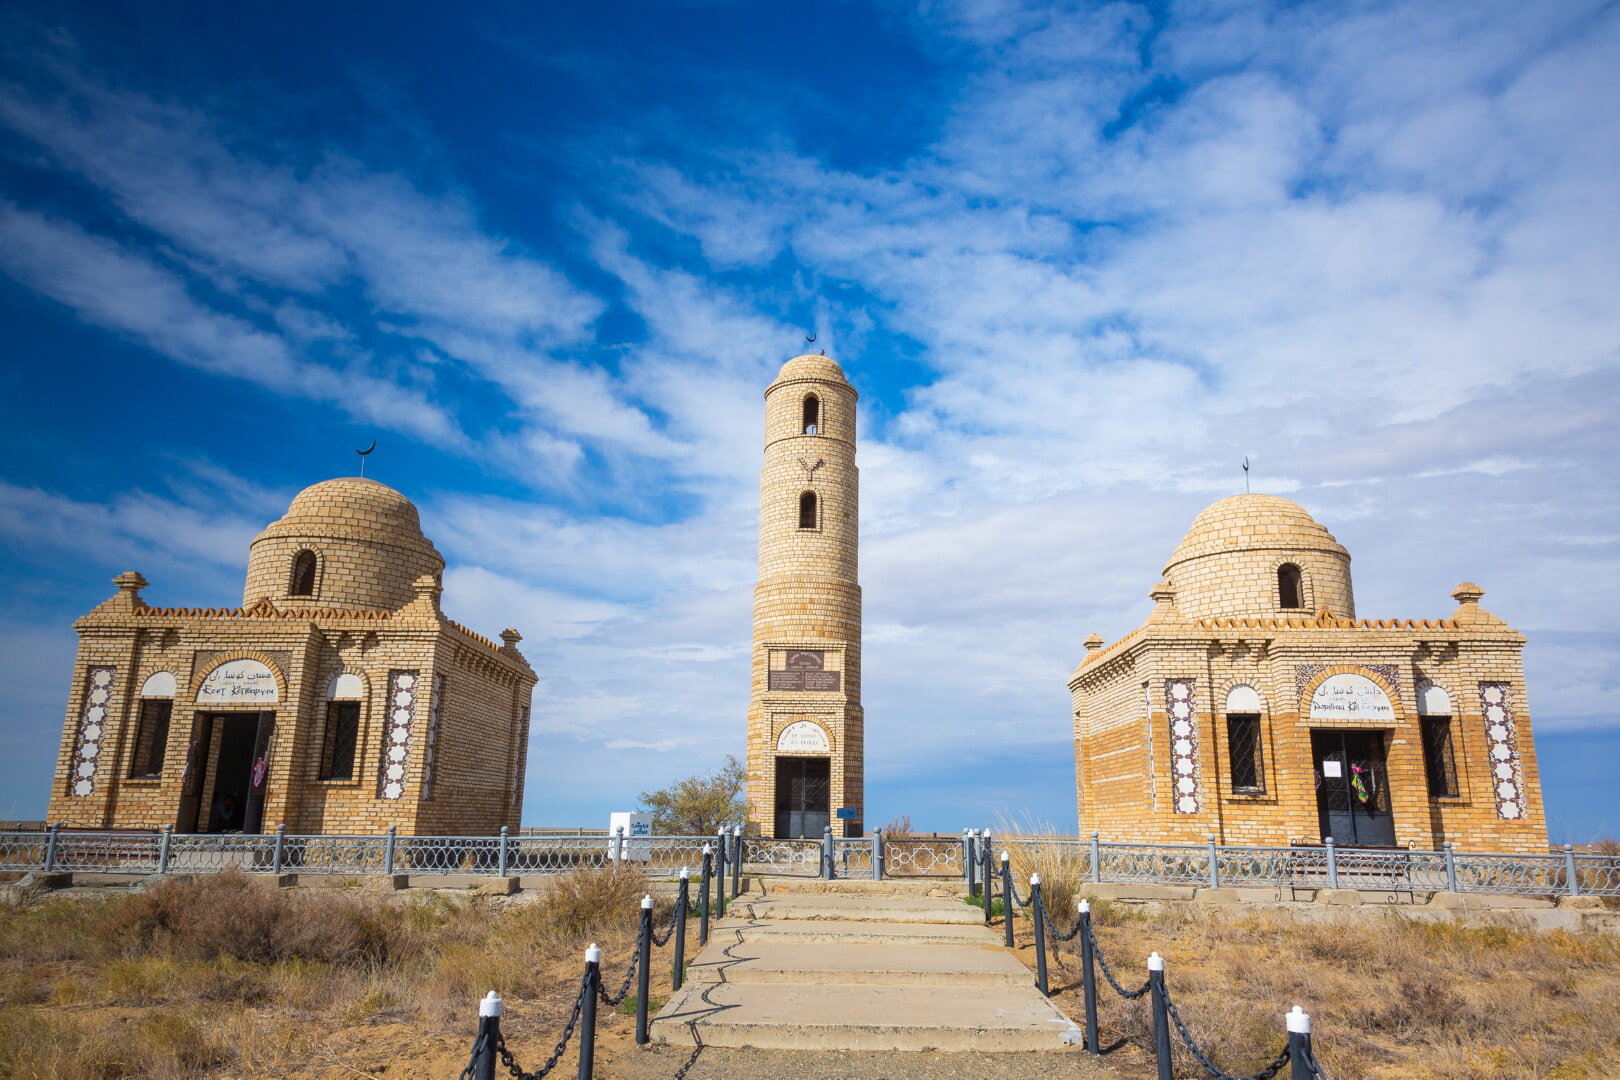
[{"x": 699, "y": 805}]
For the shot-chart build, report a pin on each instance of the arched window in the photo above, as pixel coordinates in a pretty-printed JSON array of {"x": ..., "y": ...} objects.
[
  {"x": 812, "y": 415},
  {"x": 1243, "y": 741},
  {"x": 303, "y": 574},
  {"x": 807, "y": 510},
  {"x": 1289, "y": 594}
]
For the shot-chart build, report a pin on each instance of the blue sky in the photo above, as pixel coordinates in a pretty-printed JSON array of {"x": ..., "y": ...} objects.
[{"x": 1079, "y": 260}]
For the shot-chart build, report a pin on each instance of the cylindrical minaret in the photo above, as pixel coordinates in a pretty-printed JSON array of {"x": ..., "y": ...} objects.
[{"x": 805, "y": 737}]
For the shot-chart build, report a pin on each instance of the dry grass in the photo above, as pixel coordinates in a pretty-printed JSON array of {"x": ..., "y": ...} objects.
[
  {"x": 227, "y": 976},
  {"x": 1390, "y": 996}
]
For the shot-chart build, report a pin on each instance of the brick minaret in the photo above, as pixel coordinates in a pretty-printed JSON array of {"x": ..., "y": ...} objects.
[{"x": 805, "y": 724}]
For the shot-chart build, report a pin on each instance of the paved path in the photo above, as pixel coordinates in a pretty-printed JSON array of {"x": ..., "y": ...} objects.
[{"x": 874, "y": 971}]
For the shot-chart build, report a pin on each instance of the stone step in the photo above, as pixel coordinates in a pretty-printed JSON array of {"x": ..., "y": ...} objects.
[
  {"x": 729, "y": 930},
  {"x": 874, "y": 908},
  {"x": 947, "y": 887},
  {"x": 863, "y": 1017},
  {"x": 845, "y": 964}
]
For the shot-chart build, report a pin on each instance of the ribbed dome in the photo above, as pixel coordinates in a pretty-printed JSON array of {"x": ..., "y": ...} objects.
[
  {"x": 810, "y": 367},
  {"x": 366, "y": 542},
  {"x": 353, "y": 506},
  {"x": 1253, "y": 523},
  {"x": 1234, "y": 559}
]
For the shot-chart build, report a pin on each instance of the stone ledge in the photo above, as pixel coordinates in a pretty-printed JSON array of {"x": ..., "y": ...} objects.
[
  {"x": 1128, "y": 892},
  {"x": 1340, "y": 897}
]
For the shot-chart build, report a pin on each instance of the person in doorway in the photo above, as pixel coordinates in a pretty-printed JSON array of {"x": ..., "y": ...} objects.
[{"x": 226, "y": 815}]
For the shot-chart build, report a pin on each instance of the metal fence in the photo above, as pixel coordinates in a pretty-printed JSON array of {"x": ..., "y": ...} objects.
[{"x": 1076, "y": 859}]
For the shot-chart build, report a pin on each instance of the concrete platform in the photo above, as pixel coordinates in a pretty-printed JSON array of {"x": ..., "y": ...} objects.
[
  {"x": 790, "y": 1016},
  {"x": 805, "y": 931},
  {"x": 848, "y": 965},
  {"x": 900, "y": 909}
]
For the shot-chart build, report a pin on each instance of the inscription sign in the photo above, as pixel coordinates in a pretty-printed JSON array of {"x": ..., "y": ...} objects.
[
  {"x": 1350, "y": 697},
  {"x": 806, "y": 659},
  {"x": 814, "y": 681},
  {"x": 802, "y": 737},
  {"x": 239, "y": 681}
]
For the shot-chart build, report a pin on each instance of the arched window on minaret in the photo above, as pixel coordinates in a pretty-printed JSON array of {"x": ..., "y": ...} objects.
[
  {"x": 812, "y": 415},
  {"x": 807, "y": 510},
  {"x": 1288, "y": 592},
  {"x": 303, "y": 575}
]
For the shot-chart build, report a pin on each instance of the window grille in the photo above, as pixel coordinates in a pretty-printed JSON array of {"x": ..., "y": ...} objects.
[
  {"x": 338, "y": 743},
  {"x": 1243, "y": 747},
  {"x": 151, "y": 739},
  {"x": 1439, "y": 760}
]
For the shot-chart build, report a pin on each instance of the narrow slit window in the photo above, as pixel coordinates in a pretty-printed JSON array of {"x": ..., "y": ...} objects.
[
  {"x": 1288, "y": 590},
  {"x": 303, "y": 575},
  {"x": 1439, "y": 760},
  {"x": 1243, "y": 747},
  {"x": 337, "y": 746},
  {"x": 807, "y": 510},
  {"x": 151, "y": 739},
  {"x": 812, "y": 415}
]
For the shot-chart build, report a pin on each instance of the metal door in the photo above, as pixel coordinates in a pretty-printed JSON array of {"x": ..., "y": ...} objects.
[
  {"x": 1352, "y": 787},
  {"x": 803, "y": 797}
]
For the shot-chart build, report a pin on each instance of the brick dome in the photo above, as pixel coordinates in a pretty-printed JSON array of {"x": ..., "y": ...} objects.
[
  {"x": 809, "y": 367},
  {"x": 1229, "y": 562},
  {"x": 364, "y": 548}
]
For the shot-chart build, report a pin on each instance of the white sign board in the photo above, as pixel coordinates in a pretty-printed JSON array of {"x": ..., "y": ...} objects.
[
  {"x": 238, "y": 682},
  {"x": 803, "y": 737},
  {"x": 637, "y": 835},
  {"x": 1332, "y": 768},
  {"x": 1350, "y": 697}
]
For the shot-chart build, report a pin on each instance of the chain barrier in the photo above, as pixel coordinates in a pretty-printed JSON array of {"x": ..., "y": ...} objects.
[
  {"x": 624, "y": 987},
  {"x": 669, "y": 930},
  {"x": 511, "y": 1062},
  {"x": 1051, "y": 927},
  {"x": 1129, "y": 995},
  {"x": 1203, "y": 1059}
]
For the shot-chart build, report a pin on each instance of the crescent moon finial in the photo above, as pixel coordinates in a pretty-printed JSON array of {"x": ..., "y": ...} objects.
[
  {"x": 811, "y": 339},
  {"x": 368, "y": 449}
]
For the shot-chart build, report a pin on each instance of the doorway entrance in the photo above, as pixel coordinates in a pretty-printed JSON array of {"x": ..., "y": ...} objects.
[
  {"x": 1352, "y": 787},
  {"x": 803, "y": 797},
  {"x": 234, "y": 801}
]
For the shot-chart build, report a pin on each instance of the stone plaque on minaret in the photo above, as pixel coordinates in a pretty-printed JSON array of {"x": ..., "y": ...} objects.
[{"x": 805, "y": 736}]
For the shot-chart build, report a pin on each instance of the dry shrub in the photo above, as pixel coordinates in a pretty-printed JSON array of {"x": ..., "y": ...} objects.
[
  {"x": 162, "y": 1044},
  {"x": 898, "y": 829}
]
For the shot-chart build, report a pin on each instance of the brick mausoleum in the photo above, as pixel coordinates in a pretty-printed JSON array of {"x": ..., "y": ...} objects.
[
  {"x": 337, "y": 699},
  {"x": 1253, "y": 705}
]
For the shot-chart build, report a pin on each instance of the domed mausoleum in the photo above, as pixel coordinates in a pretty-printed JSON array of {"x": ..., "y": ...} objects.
[
  {"x": 1252, "y": 705},
  {"x": 337, "y": 699}
]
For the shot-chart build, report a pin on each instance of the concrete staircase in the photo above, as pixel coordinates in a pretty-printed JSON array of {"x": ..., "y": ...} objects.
[{"x": 872, "y": 966}]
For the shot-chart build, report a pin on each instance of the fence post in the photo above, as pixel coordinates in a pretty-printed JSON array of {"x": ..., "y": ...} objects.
[
  {"x": 1096, "y": 859},
  {"x": 1333, "y": 863},
  {"x": 489, "y": 1037},
  {"x": 703, "y": 894},
  {"x": 587, "y": 1012},
  {"x": 1451, "y": 873},
  {"x": 388, "y": 850},
  {"x": 678, "y": 975},
  {"x": 1570, "y": 871},
  {"x": 501, "y": 867},
  {"x": 877, "y": 854},
  {"x": 831, "y": 871},
  {"x": 618, "y": 846},
  {"x": 722, "y": 842},
  {"x": 1161, "y": 1016},
  {"x": 644, "y": 947},
  {"x": 163, "y": 849},
  {"x": 970, "y": 859},
  {"x": 1299, "y": 1045},
  {"x": 984, "y": 872},
  {"x": 51, "y": 838},
  {"x": 736, "y": 861},
  {"x": 276, "y": 855},
  {"x": 1038, "y": 910},
  {"x": 1088, "y": 978},
  {"x": 1214, "y": 867},
  {"x": 1008, "y": 904}
]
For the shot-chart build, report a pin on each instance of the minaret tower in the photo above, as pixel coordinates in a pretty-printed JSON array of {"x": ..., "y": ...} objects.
[{"x": 805, "y": 725}]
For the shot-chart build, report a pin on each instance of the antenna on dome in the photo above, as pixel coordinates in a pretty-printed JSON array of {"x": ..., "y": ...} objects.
[
  {"x": 1245, "y": 474},
  {"x": 373, "y": 446}
]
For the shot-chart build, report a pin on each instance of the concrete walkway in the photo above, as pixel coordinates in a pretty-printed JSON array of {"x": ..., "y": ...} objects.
[{"x": 878, "y": 970}]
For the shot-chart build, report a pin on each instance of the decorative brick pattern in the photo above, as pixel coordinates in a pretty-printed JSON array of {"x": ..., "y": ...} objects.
[
  {"x": 1180, "y": 704},
  {"x": 375, "y": 615},
  {"x": 1217, "y": 617},
  {"x": 1507, "y": 769},
  {"x": 98, "y": 689},
  {"x": 808, "y": 596},
  {"x": 402, "y": 694}
]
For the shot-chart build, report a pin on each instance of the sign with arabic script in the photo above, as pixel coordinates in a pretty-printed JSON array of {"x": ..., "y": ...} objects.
[
  {"x": 238, "y": 682},
  {"x": 1350, "y": 697}
]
